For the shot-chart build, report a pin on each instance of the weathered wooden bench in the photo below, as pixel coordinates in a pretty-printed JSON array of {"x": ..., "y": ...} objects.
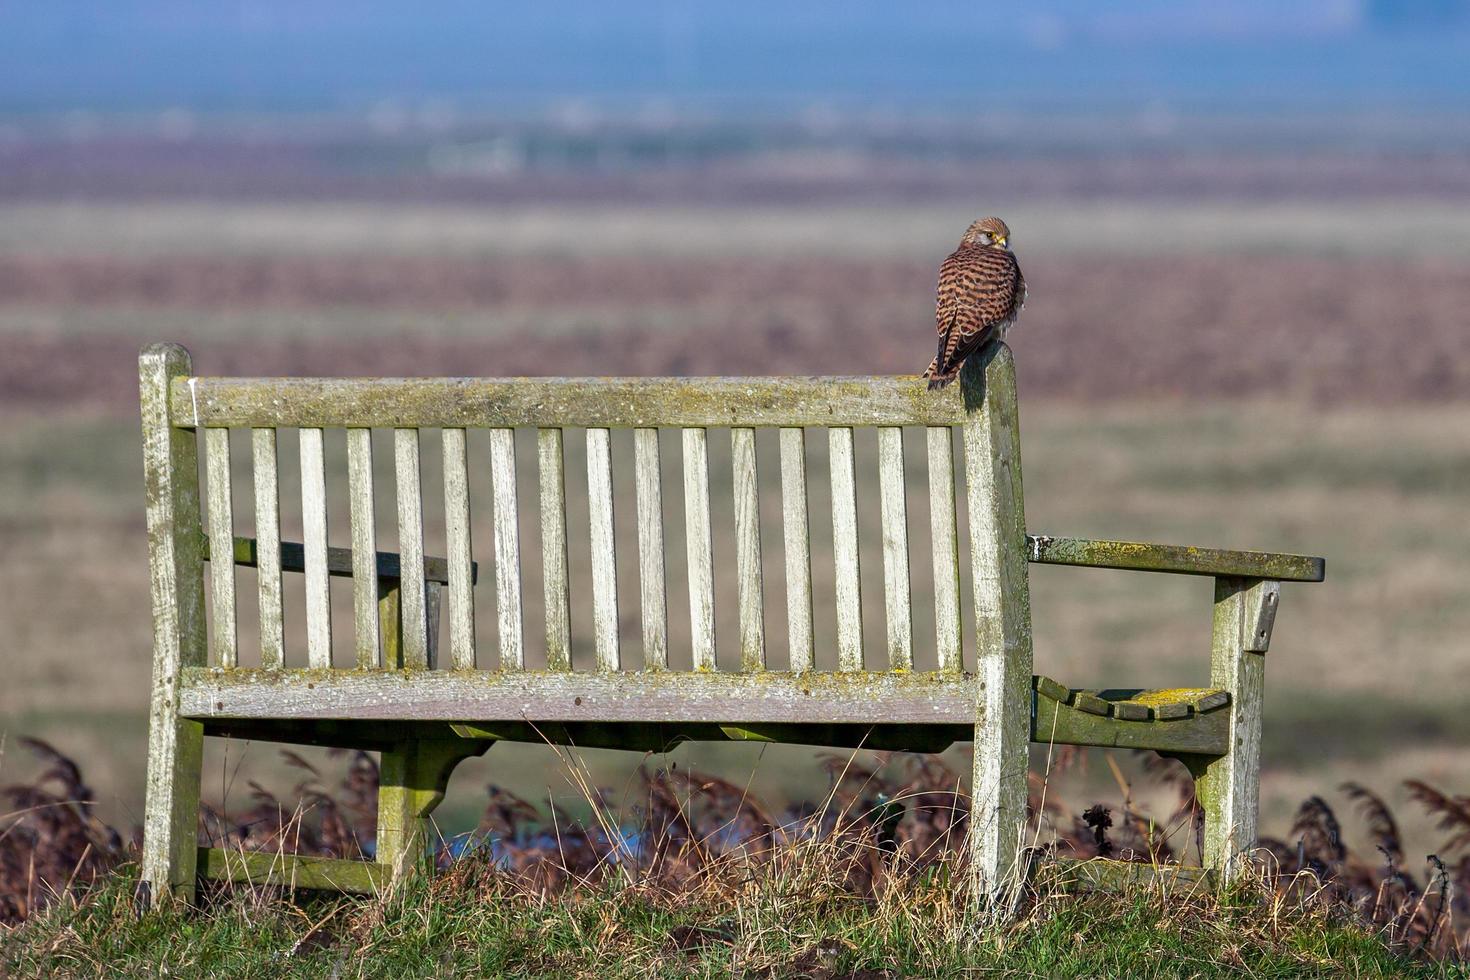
[{"x": 425, "y": 713}]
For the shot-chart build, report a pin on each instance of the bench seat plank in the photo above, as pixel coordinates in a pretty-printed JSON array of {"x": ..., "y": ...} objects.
[
  {"x": 542, "y": 699},
  {"x": 706, "y": 696}
]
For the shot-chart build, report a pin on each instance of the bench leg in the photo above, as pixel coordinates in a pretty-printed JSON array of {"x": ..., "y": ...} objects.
[
  {"x": 1229, "y": 786},
  {"x": 412, "y": 779},
  {"x": 171, "y": 809}
]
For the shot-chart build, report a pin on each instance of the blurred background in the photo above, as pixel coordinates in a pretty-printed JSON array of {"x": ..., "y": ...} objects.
[{"x": 1245, "y": 227}]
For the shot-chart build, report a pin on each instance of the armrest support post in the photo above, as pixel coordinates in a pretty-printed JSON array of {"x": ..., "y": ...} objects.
[{"x": 1229, "y": 786}]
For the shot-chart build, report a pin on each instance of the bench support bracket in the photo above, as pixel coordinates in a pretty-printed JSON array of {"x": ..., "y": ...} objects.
[{"x": 412, "y": 779}]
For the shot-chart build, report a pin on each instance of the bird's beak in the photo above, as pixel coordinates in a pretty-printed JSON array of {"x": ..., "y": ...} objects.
[{"x": 1000, "y": 240}]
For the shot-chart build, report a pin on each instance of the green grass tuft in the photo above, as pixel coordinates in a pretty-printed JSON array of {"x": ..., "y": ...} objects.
[{"x": 474, "y": 921}]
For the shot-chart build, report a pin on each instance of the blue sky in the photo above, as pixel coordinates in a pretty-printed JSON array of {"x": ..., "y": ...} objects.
[{"x": 273, "y": 55}]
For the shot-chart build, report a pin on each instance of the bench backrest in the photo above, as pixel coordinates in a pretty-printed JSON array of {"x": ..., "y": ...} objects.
[{"x": 202, "y": 411}]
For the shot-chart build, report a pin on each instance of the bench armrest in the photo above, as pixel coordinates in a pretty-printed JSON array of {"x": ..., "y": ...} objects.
[
  {"x": 339, "y": 561},
  {"x": 1047, "y": 550}
]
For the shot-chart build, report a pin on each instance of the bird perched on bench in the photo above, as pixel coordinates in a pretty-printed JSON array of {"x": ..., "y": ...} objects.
[{"x": 981, "y": 292}]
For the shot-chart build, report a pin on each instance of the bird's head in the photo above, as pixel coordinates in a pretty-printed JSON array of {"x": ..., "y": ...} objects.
[{"x": 988, "y": 231}]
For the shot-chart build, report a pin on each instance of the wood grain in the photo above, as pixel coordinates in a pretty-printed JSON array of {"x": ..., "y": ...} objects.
[
  {"x": 268, "y": 548},
  {"x": 700, "y": 548},
  {"x": 509, "y": 615},
  {"x": 364, "y": 566},
  {"x": 796, "y": 540},
  {"x": 460, "y": 548},
  {"x": 895, "y": 516},
  {"x": 413, "y": 608},
  {"x": 556, "y": 584},
  {"x": 748, "y": 586},
  {"x": 176, "y": 588},
  {"x": 944, "y": 532},
  {"x": 652, "y": 585},
  {"x": 568, "y": 402},
  {"x": 845, "y": 549},
  {"x": 221, "y": 536},
  {"x": 855, "y": 697},
  {"x": 1002, "y": 615},
  {"x": 314, "y": 546},
  {"x": 604, "y": 548}
]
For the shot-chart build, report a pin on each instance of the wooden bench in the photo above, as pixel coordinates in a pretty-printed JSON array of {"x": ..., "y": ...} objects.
[{"x": 426, "y": 711}]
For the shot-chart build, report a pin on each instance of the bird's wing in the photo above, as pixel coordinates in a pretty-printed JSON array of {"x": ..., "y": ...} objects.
[{"x": 979, "y": 288}]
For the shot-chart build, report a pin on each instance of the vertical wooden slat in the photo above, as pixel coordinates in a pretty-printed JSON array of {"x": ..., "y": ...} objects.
[
  {"x": 314, "y": 537},
  {"x": 1002, "y": 620},
  {"x": 433, "y": 599},
  {"x": 651, "y": 550},
  {"x": 554, "y": 549},
  {"x": 748, "y": 550},
  {"x": 460, "y": 547},
  {"x": 845, "y": 549},
  {"x": 364, "y": 546},
  {"x": 946, "y": 548},
  {"x": 268, "y": 548},
  {"x": 604, "y": 548},
  {"x": 176, "y": 588},
  {"x": 700, "y": 548},
  {"x": 796, "y": 539},
  {"x": 221, "y": 547},
  {"x": 507, "y": 550},
  {"x": 895, "y": 517},
  {"x": 414, "y": 608}
]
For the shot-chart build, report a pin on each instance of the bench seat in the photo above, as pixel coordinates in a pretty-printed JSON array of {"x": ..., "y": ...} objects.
[{"x": 916, "y": 711}]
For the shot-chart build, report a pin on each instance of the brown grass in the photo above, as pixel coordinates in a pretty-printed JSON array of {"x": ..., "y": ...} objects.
[{"x": 877, "y": 827}]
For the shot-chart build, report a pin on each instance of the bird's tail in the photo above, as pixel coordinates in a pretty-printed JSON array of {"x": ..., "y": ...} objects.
[{"x": 937, "y": 378}]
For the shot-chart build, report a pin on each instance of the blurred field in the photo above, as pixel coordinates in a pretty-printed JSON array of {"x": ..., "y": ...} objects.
[{"x": 1287, "y": 377}]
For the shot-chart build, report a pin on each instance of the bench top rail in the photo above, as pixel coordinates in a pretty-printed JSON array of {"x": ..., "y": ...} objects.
[{"x": 560, "y": 402}]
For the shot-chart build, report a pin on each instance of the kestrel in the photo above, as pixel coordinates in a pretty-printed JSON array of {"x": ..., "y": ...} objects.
[{"x": 981, "y": 292}]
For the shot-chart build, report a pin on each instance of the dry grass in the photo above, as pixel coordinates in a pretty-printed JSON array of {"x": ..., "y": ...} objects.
[{"x": 885, "y": 840}]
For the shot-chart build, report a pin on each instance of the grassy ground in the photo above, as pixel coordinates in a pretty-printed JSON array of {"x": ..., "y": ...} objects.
[{"x": 471, "y": 923}]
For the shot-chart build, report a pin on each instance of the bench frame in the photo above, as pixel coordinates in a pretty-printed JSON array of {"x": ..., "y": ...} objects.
[{"x": 424, "y": 721}]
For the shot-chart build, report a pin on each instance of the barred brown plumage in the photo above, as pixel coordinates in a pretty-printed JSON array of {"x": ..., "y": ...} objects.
[{"x": 981, "y": 291}]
